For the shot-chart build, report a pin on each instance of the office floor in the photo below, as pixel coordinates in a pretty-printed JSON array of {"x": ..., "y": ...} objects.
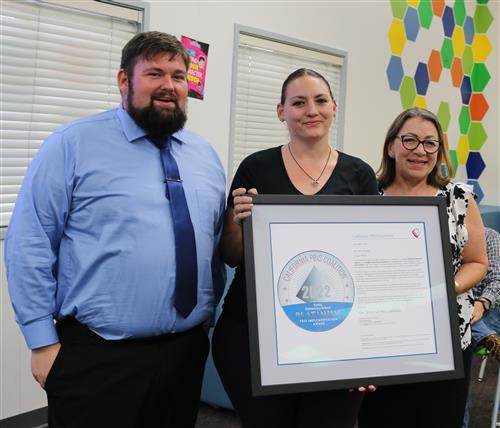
[
  {"x": 483, "y": 394},
  {"x": 209, "y": 417}
]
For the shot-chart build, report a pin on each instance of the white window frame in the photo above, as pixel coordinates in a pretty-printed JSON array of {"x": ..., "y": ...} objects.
[
  {"x": 292, "y": 46},
  {"x": 131, "y": 11}
]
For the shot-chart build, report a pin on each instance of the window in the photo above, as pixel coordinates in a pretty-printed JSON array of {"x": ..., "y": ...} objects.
[
  {"x": 59, "y": 63},
  {"x": 262, "y": 63}
]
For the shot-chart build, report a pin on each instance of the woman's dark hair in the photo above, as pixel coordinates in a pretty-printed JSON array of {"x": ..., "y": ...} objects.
[
  {"x": 387, "y": 170},
  {"x": 149, "y": 44},
  {"x": 299, "y": 73}
]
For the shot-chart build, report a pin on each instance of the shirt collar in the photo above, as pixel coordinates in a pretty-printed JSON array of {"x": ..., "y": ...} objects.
[{"x": 134, "y": 132}]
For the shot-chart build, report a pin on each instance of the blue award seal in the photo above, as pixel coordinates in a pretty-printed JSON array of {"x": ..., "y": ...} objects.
[{"x": 316, "y": 291}]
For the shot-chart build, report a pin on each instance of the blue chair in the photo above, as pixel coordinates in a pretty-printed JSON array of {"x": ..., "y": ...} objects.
[
  {"x": 212, "y": 391},
  {"x": 491, "y": 216}
]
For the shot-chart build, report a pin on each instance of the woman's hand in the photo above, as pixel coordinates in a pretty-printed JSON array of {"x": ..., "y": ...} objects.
[
  {"x": 242, "y": 204},
  {"x": 231, "y": 243}
]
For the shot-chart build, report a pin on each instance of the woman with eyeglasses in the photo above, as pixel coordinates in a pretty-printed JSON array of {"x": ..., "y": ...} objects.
[{"x": 415, "y": 162}]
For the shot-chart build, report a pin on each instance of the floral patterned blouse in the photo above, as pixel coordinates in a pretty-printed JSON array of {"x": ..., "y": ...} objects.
[{"x": 458, "y": 196}]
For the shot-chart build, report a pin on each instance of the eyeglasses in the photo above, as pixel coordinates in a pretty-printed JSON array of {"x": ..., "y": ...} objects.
[{"x": 410, "y": 142}]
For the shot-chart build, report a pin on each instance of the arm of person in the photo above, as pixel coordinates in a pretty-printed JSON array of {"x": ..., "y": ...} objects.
[
  {"x": 42, "y": 360},
  {"x": 474, "y": 258},
  {"x": 232, "y": 234},
  {"x": 32, "y": 243},
  {"x": 490, "y": 289},
  {"x": 487, "y": 293}
]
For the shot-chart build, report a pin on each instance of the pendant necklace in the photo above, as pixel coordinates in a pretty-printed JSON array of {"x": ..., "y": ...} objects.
[{"x": 314, "y": 181}]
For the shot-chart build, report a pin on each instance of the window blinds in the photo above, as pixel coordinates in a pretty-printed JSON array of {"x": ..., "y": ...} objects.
[
  {"x": 58, "y": 64},
  {"x": 262, "y": 66}
]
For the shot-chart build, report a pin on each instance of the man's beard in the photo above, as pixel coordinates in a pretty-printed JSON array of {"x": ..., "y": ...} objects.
[{"x": 158, "y": 123}]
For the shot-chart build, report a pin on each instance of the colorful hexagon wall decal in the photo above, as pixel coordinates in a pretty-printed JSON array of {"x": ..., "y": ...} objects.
[
  {"x": 408, "y": 92},
  {"x": 475, "y": 165},
  {"x": 435, "y": 66},
  {"x": 469, "y": 30},
  {"x": 467, "y": 60},
  {"x": 456, "y": 73},
  {"x": 477, "y": 189},
  {"x": 425, "y": 13},
  {"x": 411, "y": 24},
  {"x": 453, "y": 158},
  {"x": 480, "y": 77},
  {"x": 448, "y": 21},
  {"x": 478, "y": 106},
  {"x": 399, "y": 8},
  {"x": 477, "y": 136},
  {"x": 420, "y": 102},
  {"x": 438, "y": 7},
  {"x": 466, "y": 90},
  {"x": 462, "y": 149},
  {"x": 463, "y": 50},
  {"x": 395, "y": 72},
  {"x": 482, "y": 19},
  {"x": 459, "y": 12},
  {"x": 481, "y": 47},
  {"x": 447, "y": 53},
  {"x": 444, "y": 115},
  {"x": 458, "y": 41},
  {"x": 397, "y": 37},
  {"x": 464, "y": 119},
  {"x": 421, "y": 78}
]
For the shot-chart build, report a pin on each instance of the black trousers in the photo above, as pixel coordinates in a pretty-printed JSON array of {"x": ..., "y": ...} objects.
[
  {"x": 153, "y": 382},
  {"x": 326, "y": 409},
  {"x": 439, "y": 404}
]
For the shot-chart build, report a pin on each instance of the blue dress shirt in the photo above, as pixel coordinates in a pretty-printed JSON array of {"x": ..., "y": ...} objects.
[{"x": 91, "y": 234}]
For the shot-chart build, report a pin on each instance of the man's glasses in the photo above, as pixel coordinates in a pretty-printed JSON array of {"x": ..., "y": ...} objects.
[{"x": 410, "y": 142}]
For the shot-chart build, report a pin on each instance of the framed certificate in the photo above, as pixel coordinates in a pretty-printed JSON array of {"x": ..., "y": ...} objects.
[{"x": 345, "y": 291}]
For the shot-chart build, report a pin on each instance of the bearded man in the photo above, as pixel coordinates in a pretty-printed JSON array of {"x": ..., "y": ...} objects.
[{"x": 111, "y": 253}]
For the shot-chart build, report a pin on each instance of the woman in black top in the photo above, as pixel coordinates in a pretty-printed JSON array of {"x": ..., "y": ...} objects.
[{"x": 306, "y": 165}]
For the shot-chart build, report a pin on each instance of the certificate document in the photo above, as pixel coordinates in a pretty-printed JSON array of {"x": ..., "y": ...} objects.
[
  {"x": 344, "y": 291},
  {"x": 366, "y": 287}
]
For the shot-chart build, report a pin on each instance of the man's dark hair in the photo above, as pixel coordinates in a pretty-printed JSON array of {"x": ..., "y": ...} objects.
[{"x": 149, "y": 44}]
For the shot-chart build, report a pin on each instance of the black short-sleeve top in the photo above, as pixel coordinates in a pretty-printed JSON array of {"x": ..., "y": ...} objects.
[{"x": 265, "y": 171}]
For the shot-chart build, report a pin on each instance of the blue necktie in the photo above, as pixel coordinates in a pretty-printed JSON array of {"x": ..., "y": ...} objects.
[{"x": 186, "y": 271}]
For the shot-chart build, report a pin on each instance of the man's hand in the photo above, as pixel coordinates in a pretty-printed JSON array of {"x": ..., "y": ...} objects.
[
  {"x": 42, "y": 360},
  {"x": 478, "y": 312}
]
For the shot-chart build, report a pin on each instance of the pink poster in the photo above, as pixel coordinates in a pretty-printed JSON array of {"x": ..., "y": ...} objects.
[{"x": 198, "y": 51}]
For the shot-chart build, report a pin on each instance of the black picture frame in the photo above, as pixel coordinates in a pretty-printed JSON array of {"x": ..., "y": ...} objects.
[{"x": 283, "y": 348}]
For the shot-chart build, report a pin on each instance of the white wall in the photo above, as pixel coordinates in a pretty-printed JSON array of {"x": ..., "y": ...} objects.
[{"x": 360, "y": 28}]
